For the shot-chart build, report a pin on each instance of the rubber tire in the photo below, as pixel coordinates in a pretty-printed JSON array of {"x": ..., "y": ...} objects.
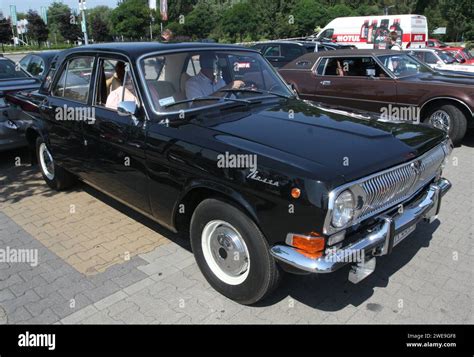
[
  {"x": 62, "y": 179},
  {"x": 264, "y": 275},
  {"x": 458, "y": 121}
]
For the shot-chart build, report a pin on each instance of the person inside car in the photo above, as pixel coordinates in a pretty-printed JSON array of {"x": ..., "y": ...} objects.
[
  {"x": 120, "y": 93},
  {"x": 205, "y": 83}
]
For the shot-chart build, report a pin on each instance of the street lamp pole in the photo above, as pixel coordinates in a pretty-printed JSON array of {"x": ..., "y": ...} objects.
[{"x": 82, "y": 8}]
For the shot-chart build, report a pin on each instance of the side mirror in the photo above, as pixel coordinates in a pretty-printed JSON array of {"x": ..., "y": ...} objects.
[
  {"x": 462, "y": 60},
  {"x": 127, "y": 108}
]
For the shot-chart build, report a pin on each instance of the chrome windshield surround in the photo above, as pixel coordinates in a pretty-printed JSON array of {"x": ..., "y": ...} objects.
[{"x": 390, "y": 187}]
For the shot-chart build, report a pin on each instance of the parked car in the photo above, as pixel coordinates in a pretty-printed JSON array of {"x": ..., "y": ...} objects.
[
  {"x": 37, "y": 64},
  {"x": 252, "y": 174},
  {"x": 440, "y": 60},
  {"x": 12, "y": 129},
  {"x": 435, "y": 43},
  {"x": 372, "y": 80},
  {"x": 280, "y": 53},
  {"x": 463, "y": 55}
]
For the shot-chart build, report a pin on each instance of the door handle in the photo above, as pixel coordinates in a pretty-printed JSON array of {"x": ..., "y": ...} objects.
[{"x": 325, "y": 83}]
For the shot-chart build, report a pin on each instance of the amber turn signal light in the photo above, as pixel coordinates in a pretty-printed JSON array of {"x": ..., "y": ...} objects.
[
  {"x": 310, "y": 244},
  {"x": 295, "y": 192}
]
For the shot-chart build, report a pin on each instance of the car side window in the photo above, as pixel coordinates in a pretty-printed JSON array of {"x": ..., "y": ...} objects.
[
  {"x": 293, "y": 51},
  {"x": 115, "y": 84},
  {"x": 321, "y": 66},
  {"x": 273, "y": 51},
  {"x": 354, "y": 67},
  {"x": 75, "y": 79},
  {"x": 430, "y": 58},
  {"x": 420, "y": 55},
  {"x": 24, "y": 62}
]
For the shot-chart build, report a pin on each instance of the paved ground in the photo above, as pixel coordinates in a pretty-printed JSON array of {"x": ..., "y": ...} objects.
[{"x": 99, "y": 262}]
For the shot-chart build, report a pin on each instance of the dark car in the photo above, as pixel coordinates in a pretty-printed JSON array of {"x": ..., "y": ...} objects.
[
  {"x": 382, "y": 80},
  {"x": 256, "y": 178},
  {"x": 12, "y": 129},
  {"x": 280, "y": 53},
  {"x": 37, "y": 64}
]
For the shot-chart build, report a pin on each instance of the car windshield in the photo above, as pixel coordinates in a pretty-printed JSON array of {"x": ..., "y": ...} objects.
[
  {"x": 8, "y": 70},
  {"x": 403, "y": 65},
  {"x": 187, "y": 80},
  {"x": 446, "y": 57}
]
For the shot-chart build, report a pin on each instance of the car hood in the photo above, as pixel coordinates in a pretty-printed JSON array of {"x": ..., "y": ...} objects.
[{"x": 336, "y": 145}]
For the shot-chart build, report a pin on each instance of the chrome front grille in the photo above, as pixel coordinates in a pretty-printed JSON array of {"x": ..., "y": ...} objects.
[{"x": 393, "y": 186}]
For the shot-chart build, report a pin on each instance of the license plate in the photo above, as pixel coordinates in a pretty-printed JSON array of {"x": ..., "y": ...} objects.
[{"x": 403, "y": 234}]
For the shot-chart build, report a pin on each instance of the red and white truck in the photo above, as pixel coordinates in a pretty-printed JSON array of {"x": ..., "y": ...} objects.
[{"x": 369, "y": 32}]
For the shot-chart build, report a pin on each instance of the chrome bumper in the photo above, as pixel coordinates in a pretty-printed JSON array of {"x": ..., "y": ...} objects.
[{"x": 379, "y": 241}]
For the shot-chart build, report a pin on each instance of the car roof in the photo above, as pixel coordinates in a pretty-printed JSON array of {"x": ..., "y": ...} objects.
[
  {"x": 137, "y": 49},
  {"x": 313, "y": 56},
  {"x": 279, "y": 42}
]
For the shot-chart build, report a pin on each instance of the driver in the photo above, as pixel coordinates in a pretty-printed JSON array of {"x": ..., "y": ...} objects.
[{"x": 205, "y": 82}]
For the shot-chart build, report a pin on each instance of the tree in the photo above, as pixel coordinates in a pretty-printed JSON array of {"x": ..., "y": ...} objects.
[
  {"x": 308, "y": 15},
  {"x": 240, "y": 20},
  {"x": 5, "y": 31},
  {"x": 200, "y": 21},
  {"x": 99, "y": 24},
  {"x": 56, "y": 14},
  {"x": 131, "y": 18},
  {"x": 36, "y": 27}
]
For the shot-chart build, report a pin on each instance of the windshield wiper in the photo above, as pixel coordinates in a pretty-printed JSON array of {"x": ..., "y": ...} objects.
[
  {"x": 258, "y": 91},
  {"x": 203, "y": 99}
]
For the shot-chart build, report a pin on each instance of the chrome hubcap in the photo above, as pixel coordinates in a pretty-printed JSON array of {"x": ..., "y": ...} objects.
[
  {"x": 225, "y": 252},
  {"x": 46, "y": 160},
  {"x": 441, "y": 120}
]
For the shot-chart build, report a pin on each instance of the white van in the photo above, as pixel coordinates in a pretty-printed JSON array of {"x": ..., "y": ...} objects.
[{"x": 371, "y": 31}]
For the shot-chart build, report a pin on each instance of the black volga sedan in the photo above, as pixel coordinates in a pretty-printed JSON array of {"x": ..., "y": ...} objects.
[
  {"x": 209, "y": 141},
  {"x": 12, "y": 128}
]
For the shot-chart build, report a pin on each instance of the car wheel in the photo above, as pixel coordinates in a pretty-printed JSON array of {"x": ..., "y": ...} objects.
[
  {"x": 450, "y": 119},
  {"x": 232, "y": 252},
  {"x": 55, "y": 176}
]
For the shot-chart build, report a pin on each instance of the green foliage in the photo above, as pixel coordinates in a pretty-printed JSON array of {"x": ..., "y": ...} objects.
[
  {"x": 131, "y": 19},
  {"x": 5, "y": 31},
  {"x": 37, "y": 29},
  {"x": 98, "y": 19},
  {"x": 240, "y": 21}
]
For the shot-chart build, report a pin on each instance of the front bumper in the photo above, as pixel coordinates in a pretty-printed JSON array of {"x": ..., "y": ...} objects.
[{"x": 377, "y": 242}]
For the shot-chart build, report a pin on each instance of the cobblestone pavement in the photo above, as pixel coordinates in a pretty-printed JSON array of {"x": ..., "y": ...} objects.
[{"x": 100, "y": 262}]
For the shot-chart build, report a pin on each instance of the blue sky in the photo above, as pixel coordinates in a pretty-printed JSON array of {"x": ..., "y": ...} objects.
[{"x": 25, "y": 5}]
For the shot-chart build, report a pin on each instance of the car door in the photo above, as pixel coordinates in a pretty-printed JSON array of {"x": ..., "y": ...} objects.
[
  {"x": 116, "y": 143},
  {"x": 65, "y": 109},
  {"x": 357, "y": 82}
]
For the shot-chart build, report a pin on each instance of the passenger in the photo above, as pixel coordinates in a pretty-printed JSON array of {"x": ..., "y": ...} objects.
[
  {"x": 120, "y": 93},
  {"x": 116, "y": 80},
  {"x": 205, "y": 83}
]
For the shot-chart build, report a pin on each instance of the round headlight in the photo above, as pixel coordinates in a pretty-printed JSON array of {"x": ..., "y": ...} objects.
[{"x": 343, "y": 211}]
